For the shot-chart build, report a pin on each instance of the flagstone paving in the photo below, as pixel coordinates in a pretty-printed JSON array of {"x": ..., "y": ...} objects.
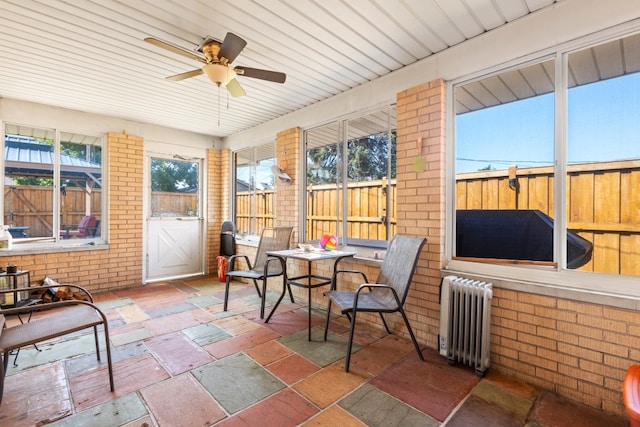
[{"x": 180, "y": 360}]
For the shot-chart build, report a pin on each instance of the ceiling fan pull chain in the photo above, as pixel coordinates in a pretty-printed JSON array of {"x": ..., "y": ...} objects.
[{"x": 218, "y": 105}]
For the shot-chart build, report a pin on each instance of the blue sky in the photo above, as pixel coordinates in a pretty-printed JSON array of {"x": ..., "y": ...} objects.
[
  {"x": 604, "y": 124},
  {"x": 264, "y": 175}
]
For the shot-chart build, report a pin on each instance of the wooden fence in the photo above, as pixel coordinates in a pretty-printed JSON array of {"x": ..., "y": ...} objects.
[
  {"x": 601, "y": 205},
  {"x": 260, "y": 207},
  {"x": 32, "y": 207},
  {"x": 174, "y": 204},
  {"x": 367, "y": 201}
]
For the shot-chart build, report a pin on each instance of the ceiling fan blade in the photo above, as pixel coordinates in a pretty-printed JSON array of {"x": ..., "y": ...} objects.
[
  {"x": 186, "y": 75},
  {"x": 176, "y": 49},
  {"x": 231, "y": 47},
  {"x": 256, "y": 73},
  {"x": 235, "y": 89}
]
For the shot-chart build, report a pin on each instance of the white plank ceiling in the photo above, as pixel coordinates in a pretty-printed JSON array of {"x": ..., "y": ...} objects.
[{"x": 89, "y": 55}]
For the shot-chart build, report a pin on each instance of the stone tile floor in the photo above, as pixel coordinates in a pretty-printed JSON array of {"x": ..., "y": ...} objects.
[{"x": 179, "y": 360}]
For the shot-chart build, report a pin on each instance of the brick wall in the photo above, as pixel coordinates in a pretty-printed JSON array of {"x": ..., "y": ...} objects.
[
  {"x": 218, "y": 196},
  {"x": 288, "y": 196},
  {"x": 578, "y": 349},
  {"x": 421, "y": 197}
]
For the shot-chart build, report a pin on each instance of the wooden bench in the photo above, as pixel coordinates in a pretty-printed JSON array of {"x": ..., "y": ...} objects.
[
  {"x": 631, "y": 394},
  {"x": 69, "y": 316}
]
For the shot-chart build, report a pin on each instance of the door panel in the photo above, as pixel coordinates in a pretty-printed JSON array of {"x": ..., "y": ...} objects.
[{"x": 174, "y": 248}]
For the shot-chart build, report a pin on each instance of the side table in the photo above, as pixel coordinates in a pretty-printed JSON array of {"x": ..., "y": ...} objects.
[{"x": 16, "y": 281}]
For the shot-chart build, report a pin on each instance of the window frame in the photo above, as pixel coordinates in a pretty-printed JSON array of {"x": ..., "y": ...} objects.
[
  {"x": 551, "y": 280},
  {"x": 55, "y": 243},
  {"x": 254, "y": 230}
]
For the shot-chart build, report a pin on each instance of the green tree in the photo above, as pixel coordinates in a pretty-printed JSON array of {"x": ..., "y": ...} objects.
[
  {"x": 88, "y": 153},
  {"x": 367, "y": 160},
  {"x": 322, "y": 164},
  {"x": 33, "y": 180},
  {"x": 173, "y": 176}
]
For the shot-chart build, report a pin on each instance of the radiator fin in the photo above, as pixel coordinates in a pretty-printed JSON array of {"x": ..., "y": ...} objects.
[{"x": 465, "y": 322}]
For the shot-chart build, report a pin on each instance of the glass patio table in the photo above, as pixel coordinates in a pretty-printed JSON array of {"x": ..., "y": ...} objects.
[{"x": 307, "y": 280}]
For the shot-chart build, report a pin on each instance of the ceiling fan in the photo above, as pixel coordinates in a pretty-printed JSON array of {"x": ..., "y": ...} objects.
[{"x": 217, "y": 57}]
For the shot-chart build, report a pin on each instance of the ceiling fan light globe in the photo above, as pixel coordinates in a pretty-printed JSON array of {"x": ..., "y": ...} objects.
[{"x": 219, "y": 74}]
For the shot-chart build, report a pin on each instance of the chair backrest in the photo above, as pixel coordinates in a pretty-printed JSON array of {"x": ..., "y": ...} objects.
[
  {"x": 87, "y": 224},
  {"x": 399, "y": 265},
  {"x": 272, "y": 239}
]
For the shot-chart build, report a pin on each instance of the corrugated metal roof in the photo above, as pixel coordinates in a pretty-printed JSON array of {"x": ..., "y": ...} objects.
[{"x": 22, "y": 153}]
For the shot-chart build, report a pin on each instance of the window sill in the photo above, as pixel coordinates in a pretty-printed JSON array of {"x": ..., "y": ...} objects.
[
  {"x": 50, "y": 247},
  {"x": 367, "y": 256},
  {"x": 251, "y": 241}
]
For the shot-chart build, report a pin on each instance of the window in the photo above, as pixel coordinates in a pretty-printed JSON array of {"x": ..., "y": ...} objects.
[
  {"x": 254, "y": 189},
  {"x": 603, "y": 153},
  {"x": 514, "y": 159},
  {"x": 360, "y": 152},
  {"x": 174, "y": 188},
  {"x": 53, "y": 185},
  {"x": 504, "y": 165}
]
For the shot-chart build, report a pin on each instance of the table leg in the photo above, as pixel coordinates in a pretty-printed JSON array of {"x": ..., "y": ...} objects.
[
  {"x": 309, "y": 288},
  {"x": 334, "y": 277}
]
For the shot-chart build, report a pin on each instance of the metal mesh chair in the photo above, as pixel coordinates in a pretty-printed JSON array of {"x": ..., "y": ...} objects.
[
  {"x": 387, "y": 294},
  {"x": 271, "y": 239}
]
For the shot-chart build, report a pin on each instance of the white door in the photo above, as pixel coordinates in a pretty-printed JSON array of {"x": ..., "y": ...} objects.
[{"x": 174, "y": 243}]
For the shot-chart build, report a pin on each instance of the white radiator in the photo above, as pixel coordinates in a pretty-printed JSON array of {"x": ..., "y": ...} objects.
[{"x": 465, "y": 322}]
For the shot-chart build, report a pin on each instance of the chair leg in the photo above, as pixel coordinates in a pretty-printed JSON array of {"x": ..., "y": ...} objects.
[
  {"x": 255, "y": 284},
  {"x": 3, "y": 370},
  {"x": 384, "y": 322},
  {"x": 95, "y": 335},
  {"x": 350, "y": 345},
  {"x": 413, "y": 337},
  {"x": 326, "y": 324},
  {"x": 263, "y": 297},
  {"x": 108, "y": 346},
  {"x": 226, "y": 293}
]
